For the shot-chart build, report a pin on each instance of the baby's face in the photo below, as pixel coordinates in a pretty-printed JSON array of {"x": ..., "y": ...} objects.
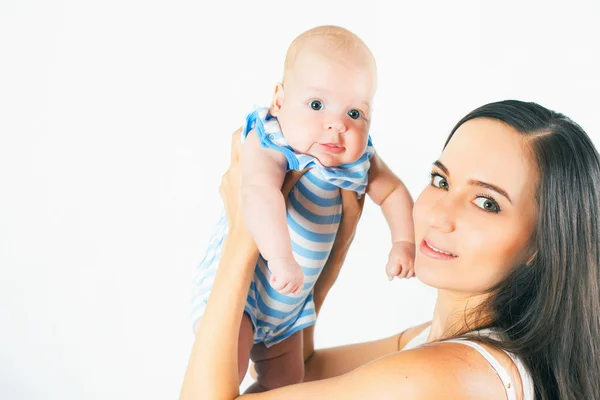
[{"x": 324, "y": 108}]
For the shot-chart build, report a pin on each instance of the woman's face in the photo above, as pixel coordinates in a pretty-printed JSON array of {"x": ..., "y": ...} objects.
[{"x": 474, "y": 222}]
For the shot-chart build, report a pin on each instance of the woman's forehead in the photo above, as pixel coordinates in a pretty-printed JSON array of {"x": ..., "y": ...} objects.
[{"x": 491, "y": 151}]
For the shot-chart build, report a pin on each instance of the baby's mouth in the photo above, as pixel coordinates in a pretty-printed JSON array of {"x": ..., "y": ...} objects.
[{"x": 332, "y": 147}]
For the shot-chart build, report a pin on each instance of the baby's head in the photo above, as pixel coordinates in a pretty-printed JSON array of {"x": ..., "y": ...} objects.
[{"x": 324, "y": 102}]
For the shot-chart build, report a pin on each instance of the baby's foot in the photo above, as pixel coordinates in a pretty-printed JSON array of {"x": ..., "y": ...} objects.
[{"x": 287, "y": 276}]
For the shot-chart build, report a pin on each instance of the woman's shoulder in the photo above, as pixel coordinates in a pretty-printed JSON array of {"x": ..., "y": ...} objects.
[
  {"x": 441, "y": 369},
  {"x": 434, "y": 371},
  {"x": 470, "y": 360},
  {"x": 439, "y": 359}
]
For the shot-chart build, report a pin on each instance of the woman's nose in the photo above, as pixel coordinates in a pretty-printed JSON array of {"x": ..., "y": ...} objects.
[{"x": 442, "y": 215}]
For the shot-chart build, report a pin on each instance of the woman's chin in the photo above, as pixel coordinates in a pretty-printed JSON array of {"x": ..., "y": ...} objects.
[
  {"x": 424, "y": 276},
  {"x": 432, "y": 275}
]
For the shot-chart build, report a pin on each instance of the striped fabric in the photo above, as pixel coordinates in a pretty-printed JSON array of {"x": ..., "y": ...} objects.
[{"x": 314, "y": 209}]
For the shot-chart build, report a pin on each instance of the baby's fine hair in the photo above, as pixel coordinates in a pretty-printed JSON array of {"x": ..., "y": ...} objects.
[{"x": 330, "y": 40}]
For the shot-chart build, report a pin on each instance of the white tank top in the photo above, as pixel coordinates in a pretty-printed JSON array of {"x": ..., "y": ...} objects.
[{"x": 509, "y": 386}]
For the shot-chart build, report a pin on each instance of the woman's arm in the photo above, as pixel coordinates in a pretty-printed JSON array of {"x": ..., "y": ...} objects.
[
  {"x": 335, "y": 361},
  {"x": 212, "y": 369},
  {"x": 439, "y": 371}
]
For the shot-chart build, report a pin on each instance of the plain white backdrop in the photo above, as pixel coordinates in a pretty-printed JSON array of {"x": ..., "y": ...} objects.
[{"x": 114, "y": 131}]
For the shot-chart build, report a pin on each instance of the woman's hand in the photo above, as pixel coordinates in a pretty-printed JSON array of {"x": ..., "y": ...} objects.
[
  {"x": 212, "y": 371},
  {"x": 231, "y": 184},
  {"x": 230, "y": 188}
]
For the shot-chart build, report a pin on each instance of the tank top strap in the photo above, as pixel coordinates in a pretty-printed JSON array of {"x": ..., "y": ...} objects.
[
  {"x": 495, "y": 364},
  {"x": 526, "y": 380}
]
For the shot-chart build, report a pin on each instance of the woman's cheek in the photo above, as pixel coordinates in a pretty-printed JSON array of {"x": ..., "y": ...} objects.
[{"x": 495, "y": 251}]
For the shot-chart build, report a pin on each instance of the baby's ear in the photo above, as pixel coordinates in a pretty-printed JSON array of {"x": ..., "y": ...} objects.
[{"x": 277, "y": 100}]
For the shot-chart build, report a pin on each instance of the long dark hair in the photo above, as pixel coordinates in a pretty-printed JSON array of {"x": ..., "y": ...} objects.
[{"x": 549, "y": 308}]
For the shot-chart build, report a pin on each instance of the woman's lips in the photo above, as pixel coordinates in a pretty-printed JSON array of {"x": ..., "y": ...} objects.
[
  {"x": 431, "y": 251},
  {"x": 332, "y": 148}
]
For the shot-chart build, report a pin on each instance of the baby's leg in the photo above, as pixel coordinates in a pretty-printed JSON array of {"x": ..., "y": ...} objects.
[
  {"x": 278, "y": 366},
  {"x": 245, "y": 343}
]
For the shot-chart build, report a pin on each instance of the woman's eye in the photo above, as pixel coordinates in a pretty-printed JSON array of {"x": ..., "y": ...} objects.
[
  {"x": 439, "y": 181},
  {"x": 487, "y": 204},
  {"x": 354, "y": 114},
  {"x": 316, "y": 105}
]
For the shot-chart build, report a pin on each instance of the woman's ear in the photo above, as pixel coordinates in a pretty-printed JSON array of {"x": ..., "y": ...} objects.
[
  {"x": 529, "y": 262},
  {"x": 277, "y": 100}
]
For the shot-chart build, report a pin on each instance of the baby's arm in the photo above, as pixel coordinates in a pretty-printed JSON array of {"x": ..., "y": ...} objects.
[
  {"x": 263, "y": 207},
  {"x": 389, "y": 192}
]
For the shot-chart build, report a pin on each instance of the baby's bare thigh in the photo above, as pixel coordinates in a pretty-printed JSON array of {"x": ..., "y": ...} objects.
[{"x": 281, "y": 364}]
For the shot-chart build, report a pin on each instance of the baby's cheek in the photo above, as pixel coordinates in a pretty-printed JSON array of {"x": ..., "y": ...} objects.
[
  {"x": 298, "y": 139},
  {"x": 354, "y": 151},
  {"x": 355, "y": 158}
]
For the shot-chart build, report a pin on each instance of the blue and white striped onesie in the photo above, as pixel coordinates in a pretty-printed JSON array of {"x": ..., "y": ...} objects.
[{"x": 314, "y": 209}]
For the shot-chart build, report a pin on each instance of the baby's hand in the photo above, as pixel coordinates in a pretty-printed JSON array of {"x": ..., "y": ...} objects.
[
  {"x": 400, "y": 260},
  {"x": 287, "y": 276}
]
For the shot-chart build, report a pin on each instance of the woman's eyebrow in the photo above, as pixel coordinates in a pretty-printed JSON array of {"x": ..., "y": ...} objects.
[
  {"x": 441, "y": 166},
  {"x": 486, "y": 185},
  {"x": 491, "y": 187}
]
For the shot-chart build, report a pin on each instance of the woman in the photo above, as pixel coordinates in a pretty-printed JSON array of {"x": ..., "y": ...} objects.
[{"x": 507, "y": 232}]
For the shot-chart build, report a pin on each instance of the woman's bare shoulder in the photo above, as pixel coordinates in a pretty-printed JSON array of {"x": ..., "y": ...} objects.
[{"x": 440, "y": 370}]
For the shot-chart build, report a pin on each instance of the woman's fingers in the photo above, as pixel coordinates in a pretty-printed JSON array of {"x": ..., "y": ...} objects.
[
  {"x": 236, "y": 146},
  {"x": 231, "y": 180},
  {"x": 352, "y": 207},
  {"x": 290, "y": 180}
]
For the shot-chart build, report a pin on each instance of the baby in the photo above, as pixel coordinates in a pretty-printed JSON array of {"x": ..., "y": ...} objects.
[{"x": 318, "y": 122}]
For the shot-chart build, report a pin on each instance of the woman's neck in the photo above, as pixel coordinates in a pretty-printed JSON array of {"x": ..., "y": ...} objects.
[{"x": 456, "y": 313}]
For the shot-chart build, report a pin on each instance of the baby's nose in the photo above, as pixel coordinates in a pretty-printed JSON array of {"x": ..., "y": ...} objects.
[{"x": 335, "y": 126}]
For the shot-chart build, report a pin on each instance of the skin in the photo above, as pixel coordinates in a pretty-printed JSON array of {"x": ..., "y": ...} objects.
[
  {"x": 324, "y": 109},
  {"x": 326, "y": 101},
  {"x": 487, "y": 247}
]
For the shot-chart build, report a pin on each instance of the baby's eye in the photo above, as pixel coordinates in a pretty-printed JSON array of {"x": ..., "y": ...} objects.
[
  {"x": 354, "y": 114},
  {"x": 316, "y": 105},
  {"x": 439, "y": 181},
  {"x": 487, "y": 204}
]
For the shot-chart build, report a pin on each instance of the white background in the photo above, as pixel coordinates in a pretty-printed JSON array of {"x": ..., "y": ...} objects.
[{"x": 114, "y": 132}]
